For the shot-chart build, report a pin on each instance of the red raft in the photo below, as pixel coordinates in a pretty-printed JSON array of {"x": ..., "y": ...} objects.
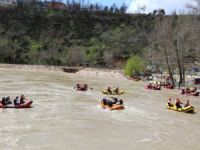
[
  {"x": 194, "y": 94},
  {"x": 81, "y": 87},
  {"x": 169, "y": 87},
  {"x": 152, "y": 87},
  {"x": 27, "y": 104},
  {"x": 183, "y": 91}
]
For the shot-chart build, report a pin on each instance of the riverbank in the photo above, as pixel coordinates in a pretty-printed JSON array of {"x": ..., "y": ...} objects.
[
  {"x": 88, "y": 72},
  {"x": 103, "y": 73},
  {"x": 30, "y": 67}
]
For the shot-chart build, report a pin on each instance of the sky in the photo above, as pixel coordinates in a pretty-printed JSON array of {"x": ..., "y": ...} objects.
[
  {"x": 110, "y": 2},
  {"x": 168, "y": 5}
]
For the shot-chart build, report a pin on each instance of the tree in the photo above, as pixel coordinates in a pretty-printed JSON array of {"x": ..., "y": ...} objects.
[
  {"x": 123, "y": 8},
  {"x": 16, "y": 37},
  {"x": 113, "y": 8},
  {"x": 175, "y": 36},
  {"x": 108, "y": 58},
  {"x": 185, "y": 37},
  {"x": 134, "y": 65},
  {"x": 154, "y": 12},
  {"x": 75, "y": 56},
  {"x": 47, "y": 36},
  {"x": 91, "y": 7},
  {"x": 105, "y": 9},
  {"x": 159, "y": 12},
  {"x": 194, "y": 6},
  {"x": 161, "y": 45}
]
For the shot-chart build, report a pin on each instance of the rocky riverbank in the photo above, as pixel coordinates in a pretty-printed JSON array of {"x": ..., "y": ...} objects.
[
  {"x": 89, "y": 72},
  {"x": 30, "y": 67},
  {"x": 103, "y": 73}
]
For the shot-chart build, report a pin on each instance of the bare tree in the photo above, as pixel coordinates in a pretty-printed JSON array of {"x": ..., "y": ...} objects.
[
  {"x": 161, "y": 45},
  {"x": 194, "y": 6},
  {"x": 176, "y": 36},
  {"x": 108, "y": 58},
  {"x": 166, "y": 45},
  {"x": 76, "y": 56},
  {"x": 185, "y": 38}
]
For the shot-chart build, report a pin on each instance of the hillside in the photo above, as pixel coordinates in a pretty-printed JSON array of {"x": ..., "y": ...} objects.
[{"x": 55, "y": 37}]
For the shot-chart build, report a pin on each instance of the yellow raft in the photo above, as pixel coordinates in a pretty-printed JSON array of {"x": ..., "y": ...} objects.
[
  {"x": 188, "y": 109},
  {"x": 114, "y": 107},
  {"x": 113, "y": 93}
]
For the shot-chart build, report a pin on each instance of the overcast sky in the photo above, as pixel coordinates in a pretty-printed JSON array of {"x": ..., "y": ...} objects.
[{"x": 168, "y": 5}]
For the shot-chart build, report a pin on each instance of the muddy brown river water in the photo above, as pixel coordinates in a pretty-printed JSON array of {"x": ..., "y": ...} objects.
[{"x": 63, "y": 119}]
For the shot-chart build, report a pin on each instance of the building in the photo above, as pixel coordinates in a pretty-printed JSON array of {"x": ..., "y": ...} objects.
[{"x": 56, "y": 5}]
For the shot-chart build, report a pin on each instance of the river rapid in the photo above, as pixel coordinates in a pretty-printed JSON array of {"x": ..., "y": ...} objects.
[{"x": 64, "y": 119}]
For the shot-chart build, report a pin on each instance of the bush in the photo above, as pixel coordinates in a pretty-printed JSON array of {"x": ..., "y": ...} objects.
[{"x": 134, "y": 66}]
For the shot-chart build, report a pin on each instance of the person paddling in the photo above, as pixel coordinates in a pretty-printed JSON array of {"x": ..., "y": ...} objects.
[
  {"x": 104, "y": 101},
  {"x": 178, "y": 103},
  {"x": 85, "y": 87},
  {"x": 22, "y": 99},
  {"x": 78, "y": 86},
  {"x": 116, "y": 90},
  {"x": 8, "y": 100},
  {"x": 187, "y": 103},
  {"x": 109, "y": 90},
  {"x": 16, "y": 101},
  {"x": 121, "y": 102},
  {"x": 115, "y": 100},
  {"x": 3, "y": 101},
  {"x": 170, "y": 102}
]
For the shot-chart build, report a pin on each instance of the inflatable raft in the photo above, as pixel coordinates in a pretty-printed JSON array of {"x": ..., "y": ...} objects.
[
  {"x": 27, "y": 104},
  {"x": 193, "y": 94},
  {"x": 190, "y": 94},
  {"x": 113, "y": 93},
  {"x": 153, "y": 88},
  {"x": 169, "y": 87},
  {"x": 188, "y": 109},
  {"x": 81, "y": 87},
  {"x": 135, "y": 78},
  {"x": 114, "y": 107}
]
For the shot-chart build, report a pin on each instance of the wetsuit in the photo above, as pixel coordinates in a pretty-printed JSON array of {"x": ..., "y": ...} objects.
[
  {"x": 110, "y": 103},
  {"x": 121, "y": 102},
  {"x": 3, "y": 101},
  {"x": 8, "y": 101},
  {"x": 115, "y": 100},
  {"x": 104, "y": 101},
  {"x": 22, "y": 100},
  {"x": 178, "y": 105}
]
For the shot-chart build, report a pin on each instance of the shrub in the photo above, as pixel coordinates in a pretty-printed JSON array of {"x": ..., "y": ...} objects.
[{"x": 134, "y": 66}]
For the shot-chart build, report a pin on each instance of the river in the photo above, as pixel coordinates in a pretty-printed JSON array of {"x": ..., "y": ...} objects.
[{"x": 64, "y": 119}]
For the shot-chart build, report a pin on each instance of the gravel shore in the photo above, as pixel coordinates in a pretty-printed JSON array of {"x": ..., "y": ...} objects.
[
  {"x": 103, "y": 73},
  {"x": 89, "y": 72},
  {"x": 30, "y": 67}
]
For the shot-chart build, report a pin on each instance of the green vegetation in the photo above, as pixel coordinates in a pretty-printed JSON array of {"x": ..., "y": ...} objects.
[
  {"x": 79, "y": 34},
  {"x": 134, "y": 66},
  {"x": 58, "y": 37}
]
